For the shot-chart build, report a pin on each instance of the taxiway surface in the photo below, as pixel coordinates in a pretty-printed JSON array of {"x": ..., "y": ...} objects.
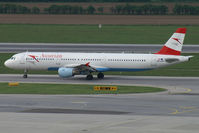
[
  {"x": 182, "y": 92},
  {"x": 174, "y": 111},
  {"x": 69, "y": 47}
]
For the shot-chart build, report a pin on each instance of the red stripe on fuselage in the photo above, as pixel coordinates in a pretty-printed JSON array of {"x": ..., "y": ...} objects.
[{"x": 168, "y": 51}]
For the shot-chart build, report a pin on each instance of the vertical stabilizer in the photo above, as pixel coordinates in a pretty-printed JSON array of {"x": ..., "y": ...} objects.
[{"x": 174, "y": 45}]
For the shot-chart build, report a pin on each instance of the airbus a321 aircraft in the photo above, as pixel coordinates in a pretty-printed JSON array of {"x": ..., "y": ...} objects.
[{"x": 70, "y": 64}]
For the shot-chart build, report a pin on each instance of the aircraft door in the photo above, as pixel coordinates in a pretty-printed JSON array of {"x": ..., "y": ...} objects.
[
  {"x": 22, "y": 59},
  {"x": 154, "y": 61},
  {"x": 103, "y": 61},
  {"x": 58, "y": 60}
]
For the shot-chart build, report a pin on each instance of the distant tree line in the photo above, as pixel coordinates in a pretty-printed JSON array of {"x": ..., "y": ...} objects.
[
  {"x": 140, "y": 10},
  {"x": 68, "y": 9},
  {"x": 17, "y": 9},
  {"x": 76, "y": 1},
  {"x": 186, "y": 10},
  {"x": 127, "y": 9},
  {"x": 99, "y": 1}
]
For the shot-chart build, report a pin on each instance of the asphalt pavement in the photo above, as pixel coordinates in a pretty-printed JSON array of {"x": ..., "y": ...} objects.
[
  {"x": 174, "y": 111},
  {"x": 103, "y": 48}
]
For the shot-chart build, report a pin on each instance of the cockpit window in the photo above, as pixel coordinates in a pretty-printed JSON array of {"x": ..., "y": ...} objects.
[{"x": 12, "y": 58}]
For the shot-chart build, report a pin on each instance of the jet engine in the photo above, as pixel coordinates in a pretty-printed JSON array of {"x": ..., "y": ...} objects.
[{"x": 66, "y": 72}]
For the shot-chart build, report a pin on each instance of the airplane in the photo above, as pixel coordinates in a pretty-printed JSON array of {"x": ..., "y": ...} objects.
[{"x": 70, "y": 64}]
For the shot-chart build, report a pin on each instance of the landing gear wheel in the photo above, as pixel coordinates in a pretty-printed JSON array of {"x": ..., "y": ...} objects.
[
  {"x": 89, "y": 77},
  {"x": 25, "y": 76},
  {"x": 100, "y": 75}
]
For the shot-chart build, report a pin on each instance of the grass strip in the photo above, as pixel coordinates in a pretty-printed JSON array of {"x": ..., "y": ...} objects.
[
  {"x": 37, "y": 88},
  {"x": 117, "y": 34}
]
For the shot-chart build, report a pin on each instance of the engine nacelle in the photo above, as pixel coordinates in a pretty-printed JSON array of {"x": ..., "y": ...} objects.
[{"x": 65, "y": 72}]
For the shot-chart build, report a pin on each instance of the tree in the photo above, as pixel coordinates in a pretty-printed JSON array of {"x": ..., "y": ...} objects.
[
  {"x": 146, "y": 9},
  {"x": 118, "y": 8},
  {"x": 100, "y": 9},
  {"x": 186, "y": 9},
  {"x": 197, "y": 10},
  {"x": 81, "y": 10},
  {"x": 127, "y": 9},
  {"x": 46, "y": 10},
  {"x": 25, "y": 10},
  {"x": 91, "y": 9},
  {"x": 11, "y": 8},
  {"x": 178, "y": 9},
  {"x": 163, "y": 10},
  {"x": 35, "y": 10},
  {"x": 138, "y": 10},
  {"x": 155, "y": 10},
  {"x": 1, "y": 9},
  {"x": 53, "y": 9},
  {"x": 113, "y": 10},
  {"x": 64, "y": 9}
]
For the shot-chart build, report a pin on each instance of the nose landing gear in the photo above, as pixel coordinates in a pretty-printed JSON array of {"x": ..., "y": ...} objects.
[{"x": 25, "y": 74}]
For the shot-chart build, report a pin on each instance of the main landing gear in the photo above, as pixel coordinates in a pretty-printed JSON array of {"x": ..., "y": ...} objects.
[
  {"x": 99, "y": 76},
  {"x": 89, "y": 77}
]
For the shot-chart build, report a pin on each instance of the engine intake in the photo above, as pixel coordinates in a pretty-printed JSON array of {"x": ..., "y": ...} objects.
[{"x": 66, "y": 72}]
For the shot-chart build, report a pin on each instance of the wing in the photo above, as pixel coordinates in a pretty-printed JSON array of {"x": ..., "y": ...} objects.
[{"x": 82, "y": 68}]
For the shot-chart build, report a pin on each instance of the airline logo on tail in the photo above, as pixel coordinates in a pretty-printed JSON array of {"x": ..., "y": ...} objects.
[
  {"x": 172, "y": 46},
  {"x": 177, "y": 40}
]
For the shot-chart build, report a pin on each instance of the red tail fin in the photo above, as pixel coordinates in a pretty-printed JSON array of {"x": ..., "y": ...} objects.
[{"x": 174, "y": 45}]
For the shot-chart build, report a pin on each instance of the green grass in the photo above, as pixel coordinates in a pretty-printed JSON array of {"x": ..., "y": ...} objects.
[
  {"x": 190, "y": 68},
  {"x": 30, "y": 88},
  {"x": 119, "y": 34}
]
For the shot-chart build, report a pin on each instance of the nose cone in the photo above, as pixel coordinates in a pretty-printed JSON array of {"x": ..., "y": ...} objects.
[{"x": 6, "y": 63}]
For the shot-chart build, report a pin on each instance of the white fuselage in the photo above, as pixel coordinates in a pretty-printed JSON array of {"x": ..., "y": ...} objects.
[{"x": 100, "y": 61}]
